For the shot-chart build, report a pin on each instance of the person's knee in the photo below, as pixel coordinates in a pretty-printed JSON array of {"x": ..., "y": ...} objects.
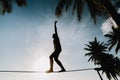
[
  {"x": 50, "y": 57},
  {"x": 56, "y": 59}
]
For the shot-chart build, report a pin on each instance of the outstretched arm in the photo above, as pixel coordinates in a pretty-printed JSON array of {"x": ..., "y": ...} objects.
[{"x": 55, "y": 27}]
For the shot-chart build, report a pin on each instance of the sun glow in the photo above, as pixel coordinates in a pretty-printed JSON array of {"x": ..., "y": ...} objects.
[{"x": 42, "y": 64}]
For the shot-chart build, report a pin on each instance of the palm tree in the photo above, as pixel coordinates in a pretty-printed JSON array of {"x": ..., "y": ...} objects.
[
  {"x": 6, "y": 5},
  {"x": 108, "y": 64},
  {"x": 114, "y": 39},
  {"x": 96, "y": 51},
  {"x": 96, "y": 7}
]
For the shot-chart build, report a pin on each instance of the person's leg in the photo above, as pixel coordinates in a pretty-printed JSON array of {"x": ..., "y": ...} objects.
[
  {"x": 60, "y": 64},
  {"x": 51, "y": 63}
]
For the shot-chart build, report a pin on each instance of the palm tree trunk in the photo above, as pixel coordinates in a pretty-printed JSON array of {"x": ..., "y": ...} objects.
[
  {"x": 111, "y": 10},
  {"x": 99, "y": 75}
]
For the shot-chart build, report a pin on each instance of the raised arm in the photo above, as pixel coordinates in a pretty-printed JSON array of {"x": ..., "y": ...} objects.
[{"x": 55, "y": 27}]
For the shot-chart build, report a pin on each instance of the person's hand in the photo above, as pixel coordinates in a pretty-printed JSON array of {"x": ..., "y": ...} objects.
[{"x": 55, "y": 22}]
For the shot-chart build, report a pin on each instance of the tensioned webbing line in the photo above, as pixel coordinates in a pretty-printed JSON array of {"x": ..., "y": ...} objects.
[{"x": 75, "y": 70}]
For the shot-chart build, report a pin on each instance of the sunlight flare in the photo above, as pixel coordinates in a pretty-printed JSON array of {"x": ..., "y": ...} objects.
[{"x": 41, "y": 64}]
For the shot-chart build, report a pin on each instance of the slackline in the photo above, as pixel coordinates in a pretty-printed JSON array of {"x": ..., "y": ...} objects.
[{"x": 75, "y": 70}]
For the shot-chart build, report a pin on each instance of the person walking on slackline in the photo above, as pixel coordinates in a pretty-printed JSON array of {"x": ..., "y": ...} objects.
[{"x": 57, "y": 50}]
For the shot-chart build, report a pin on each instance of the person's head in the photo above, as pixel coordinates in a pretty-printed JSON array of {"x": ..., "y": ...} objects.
[{"x": 54, "y": 36}]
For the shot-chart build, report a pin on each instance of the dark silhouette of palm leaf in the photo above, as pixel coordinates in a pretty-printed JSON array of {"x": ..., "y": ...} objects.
[
  {"x": 96, "y": 8},
  {"x": 21, "y": 3},
  {"x": 79, "y": 8},
  {"x": 118, "y": 47},
  {"x": 111, "y": 44},
  {"x": 114, "y": 39},
  {"x": 60, "y": 7},
  {"x": 74, "y": 7},
  {"x": 7, "y": 5},
  {"x": 68, "y": 4}
]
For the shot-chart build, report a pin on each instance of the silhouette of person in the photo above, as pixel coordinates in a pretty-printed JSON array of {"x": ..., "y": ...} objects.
[{"x": 57, "y": 50}]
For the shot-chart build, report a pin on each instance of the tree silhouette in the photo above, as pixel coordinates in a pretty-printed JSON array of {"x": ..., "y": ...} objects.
[
  {"x": 98, "y": 54},
  {"x": 7, "y": 5},
  {"x": 110, "y": 66},
  {"x": 114, "y": 39},
  {"x": 96, "y": 51},
  {"x": 96, "y": 8}
]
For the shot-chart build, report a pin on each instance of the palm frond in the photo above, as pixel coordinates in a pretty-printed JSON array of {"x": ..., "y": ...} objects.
[
  {"x": 118, "y": 47},
  {"x": 74, "y": 7},
  {"x": 109, "y": 35},
  {"x": 88, "y": 45},
  {"x": 6, "y": 6},
  {"x": 112, "y": 44},
  {"x": 114, "y": 39},
  {"x": 88, "y": 49},
  {"x": 96, "y": 8},
  {"x": 93, "y": 8},
  {"x": 80, "y": 5},
  {"x": 21, "y": 3},
  {"x": 60, "y": 7},
  {"x": 68, "y": 4}
]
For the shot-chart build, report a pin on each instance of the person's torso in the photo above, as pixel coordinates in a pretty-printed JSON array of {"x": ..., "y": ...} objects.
[{"x": 57, "y": 45}]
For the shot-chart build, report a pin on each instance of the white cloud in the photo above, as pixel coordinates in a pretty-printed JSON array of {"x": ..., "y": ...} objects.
[{"x": 106, "y": 26}]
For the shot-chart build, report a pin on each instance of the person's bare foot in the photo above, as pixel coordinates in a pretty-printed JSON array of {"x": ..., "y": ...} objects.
[{"x": 49, "y": 71}]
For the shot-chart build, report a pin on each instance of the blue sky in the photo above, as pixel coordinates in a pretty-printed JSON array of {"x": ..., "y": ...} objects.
[{"x": 26, "y": 42}]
